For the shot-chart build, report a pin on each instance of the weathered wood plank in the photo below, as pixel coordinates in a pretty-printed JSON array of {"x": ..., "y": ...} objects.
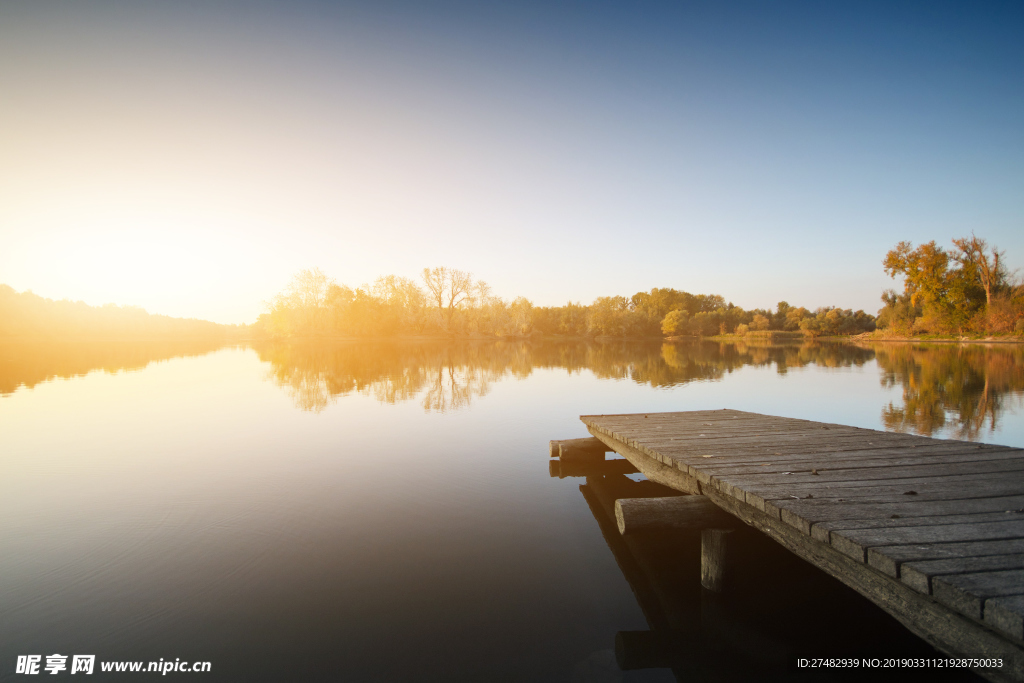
[
  {"x": 855, "y": 542},
  {"x": 1007, "y": 469},
  {"x": 805, "y": 514},
  {"x": 756, "y": 454},
  {"x": 870, "y": 476},
  {"x": 1008, "y": 478},
  {"x": 774, "y": 508},
  {"x": 965, "y": 486},
  {"x": 851, "y": 460},
  {"x": 814, "y": 458},
  {"x": 889, "y": 559},
  {"x": 767, "y": 433},
  {"x": 918, "y": 575},
  {"x": 966, "y": 593},
  {"x": 726, "y": 413},
  {"x": 821, "y": 530},
  {"x": 815, "y": 439},
  {"x": 1006, "y": 615}
]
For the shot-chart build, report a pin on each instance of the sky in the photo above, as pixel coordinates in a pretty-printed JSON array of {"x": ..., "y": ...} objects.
[{"x": 190, "y": 157}]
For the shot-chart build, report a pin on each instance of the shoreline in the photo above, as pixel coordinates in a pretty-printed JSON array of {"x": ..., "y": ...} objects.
[{"x": 778, "y": 338}]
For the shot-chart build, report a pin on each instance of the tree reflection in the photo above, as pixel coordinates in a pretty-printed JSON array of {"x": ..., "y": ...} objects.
[
  {"x": 446, "y": 376},
  {"x": 28, "y": 363},
  {"x": 962, "y": 387}
]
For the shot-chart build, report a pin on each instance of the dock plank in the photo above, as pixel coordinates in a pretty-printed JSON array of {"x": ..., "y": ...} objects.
[
  {"x": 821, "y": 530},
  {"x": 850, "y": 475},
  {"x": 889, "y": 559},
  {"x": 804, "y": 463},
  {"x": 1006, "y": 615},
  {"x": 919, "y": 575},
  {"x": 755, "y": 454},
  {"x": 804, "y": 514},
  {"x": 966, "y": 593},
  {"x": 855, "y": 542}
]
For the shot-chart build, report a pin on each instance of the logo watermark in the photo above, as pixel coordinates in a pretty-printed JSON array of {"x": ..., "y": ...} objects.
[{"x": 33, "y": 665}]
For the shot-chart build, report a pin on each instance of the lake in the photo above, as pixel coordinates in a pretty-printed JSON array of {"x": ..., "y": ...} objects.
[{"x": 385, "y": 511}]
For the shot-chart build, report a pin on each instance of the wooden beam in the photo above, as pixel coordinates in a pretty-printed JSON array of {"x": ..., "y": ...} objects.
[
  {"x": 693, "y": 513},
  {"x": 577, "y": 450}
]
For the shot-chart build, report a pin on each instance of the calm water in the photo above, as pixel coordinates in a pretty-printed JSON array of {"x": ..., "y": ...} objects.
[{"x": 385, "y": 512}]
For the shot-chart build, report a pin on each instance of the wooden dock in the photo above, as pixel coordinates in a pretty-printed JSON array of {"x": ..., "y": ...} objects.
[{"x": 930, "y": 530}]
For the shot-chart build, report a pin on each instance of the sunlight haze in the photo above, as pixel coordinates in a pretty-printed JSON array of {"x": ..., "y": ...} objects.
[{"x": 190, "y": 159}]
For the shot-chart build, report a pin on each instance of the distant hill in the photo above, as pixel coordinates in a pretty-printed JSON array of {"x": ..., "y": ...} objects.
[{"x": 28, "y": 316}]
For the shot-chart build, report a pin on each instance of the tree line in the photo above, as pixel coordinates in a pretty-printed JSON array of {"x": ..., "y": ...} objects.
[
  {"x": 448, "y": 301},
  {"x": 965, "y": 290}
]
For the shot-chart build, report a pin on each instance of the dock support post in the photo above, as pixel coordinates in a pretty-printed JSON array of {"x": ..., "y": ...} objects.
[
  {"x": 578, "y": 450},
  {"x": 714, "y": 558}
]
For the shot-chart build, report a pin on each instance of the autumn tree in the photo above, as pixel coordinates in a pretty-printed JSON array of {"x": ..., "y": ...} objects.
[
  {"x": 448, "y": 288},
  {"x": 987, "y": 266},
  {"x": 944, "y": 292},
  {"x": 402, "y": 303},
  {"x": 675, "y": 322},
  {"x": 924, "y": 269},
  {"x": 302, "y": 307},
  {"x": 608, "y": 316}
]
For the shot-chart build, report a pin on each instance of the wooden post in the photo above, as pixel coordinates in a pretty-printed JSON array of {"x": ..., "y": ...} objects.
[
  {"x": 680, "y": 513},
  {"x": 577, "y": 450},
  {"x": 714, "y": 558}
]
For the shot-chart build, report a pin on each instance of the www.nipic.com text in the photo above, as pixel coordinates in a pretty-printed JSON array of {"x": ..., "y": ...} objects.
[{"x": 86, "y": 664}]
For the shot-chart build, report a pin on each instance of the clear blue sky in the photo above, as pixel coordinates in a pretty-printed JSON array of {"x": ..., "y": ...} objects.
[{"x": 189, "y": 158}]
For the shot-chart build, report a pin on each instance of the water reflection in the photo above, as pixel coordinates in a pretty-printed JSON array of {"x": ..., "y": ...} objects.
[
  {"x": 777, "y": 608},
  {"x": 442, "y": 377},
  {"x": 447, "y": 376},
  {"x": 962, "y": 387},
  {"x": 26, "y": 364},
  {"x": 962, "y": 390}
]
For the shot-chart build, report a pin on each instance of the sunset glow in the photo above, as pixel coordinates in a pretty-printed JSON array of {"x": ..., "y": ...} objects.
[{"x": 190, "y": 159}]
